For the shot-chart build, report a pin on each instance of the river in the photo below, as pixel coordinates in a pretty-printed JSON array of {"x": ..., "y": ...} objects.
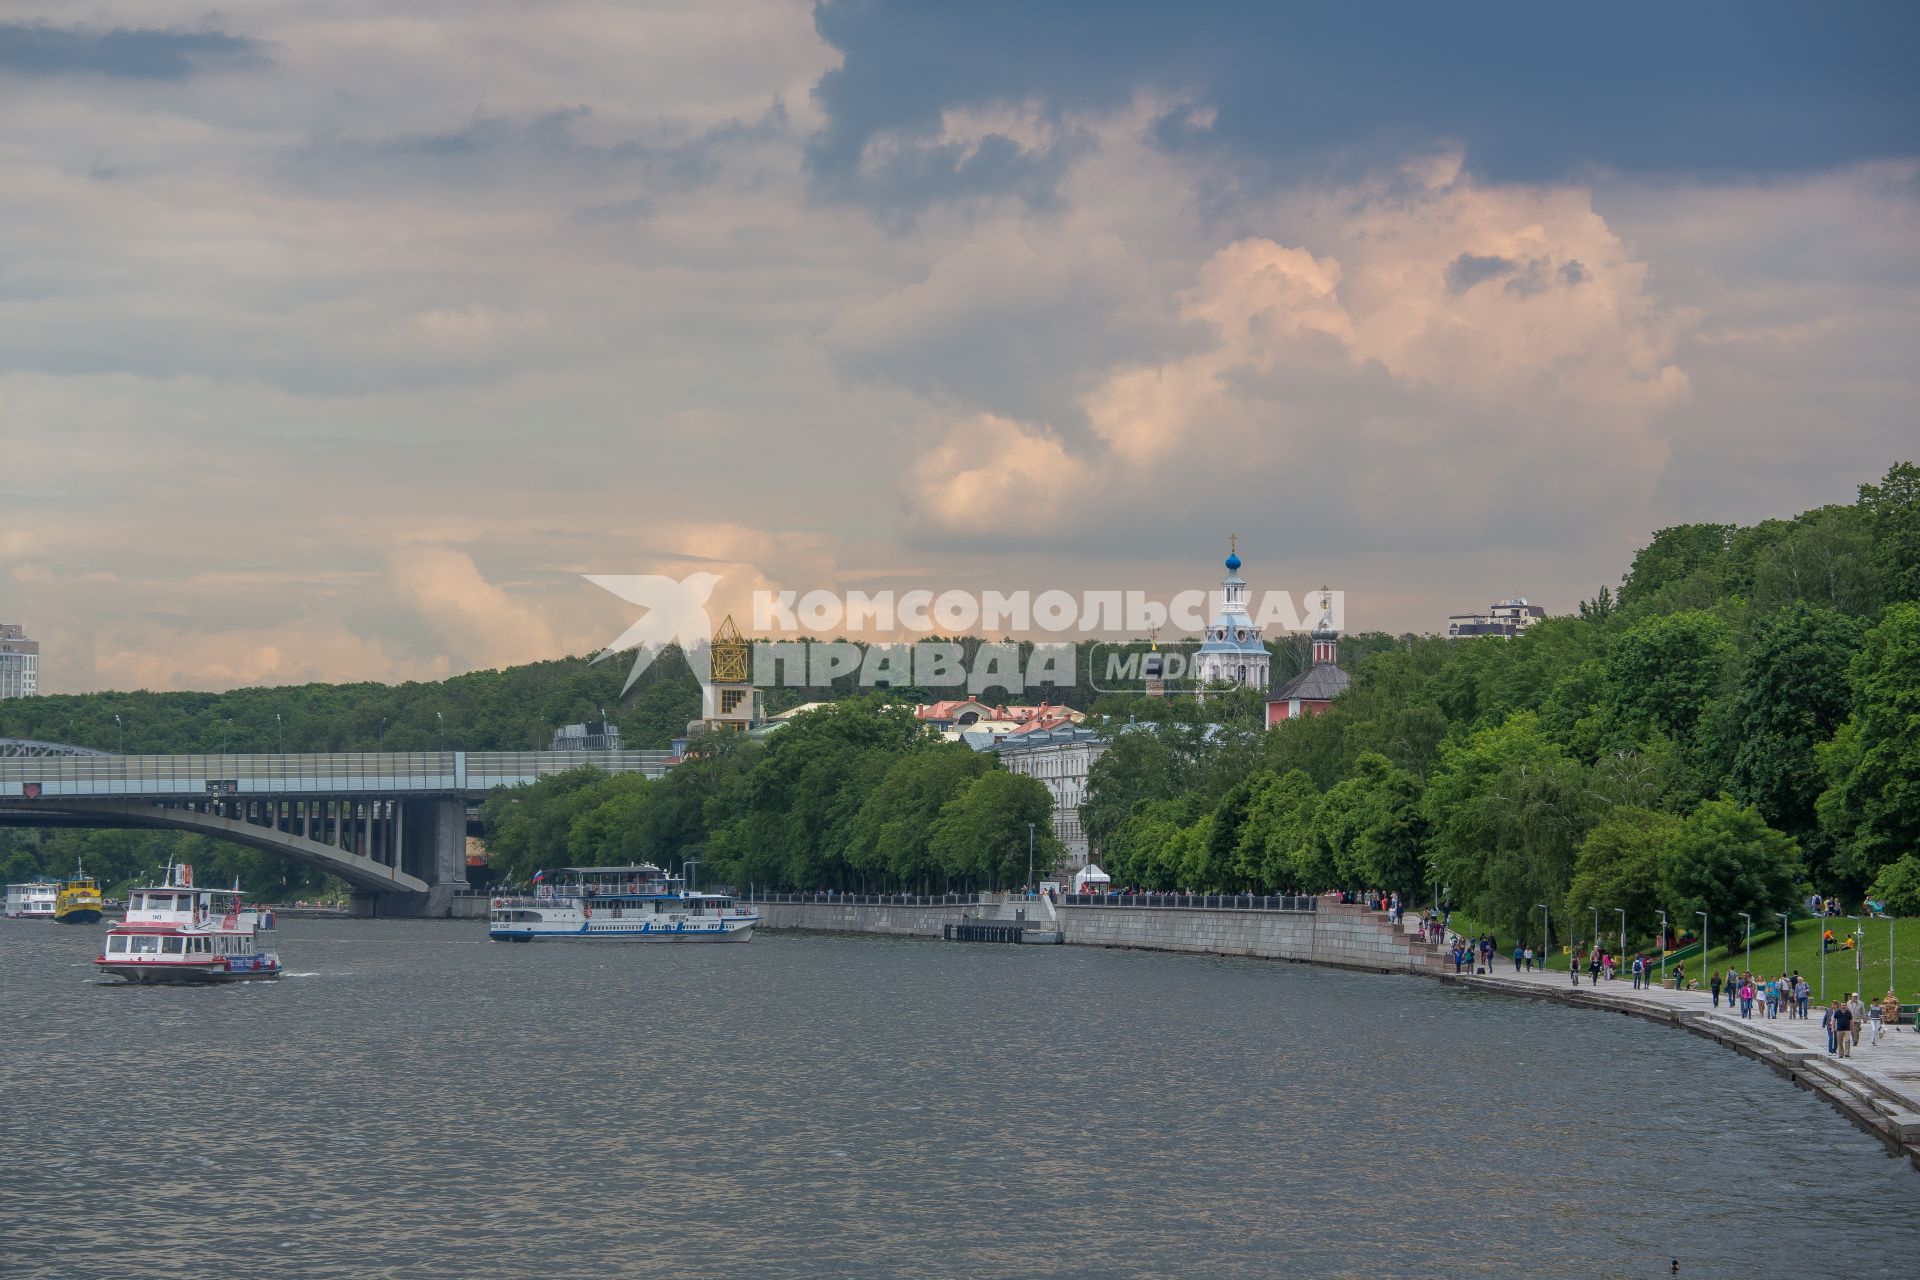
[{"x": 412, "y": 1100}]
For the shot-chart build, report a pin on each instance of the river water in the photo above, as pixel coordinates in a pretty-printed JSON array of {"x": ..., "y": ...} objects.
[{"x": 415, "y": 1101}]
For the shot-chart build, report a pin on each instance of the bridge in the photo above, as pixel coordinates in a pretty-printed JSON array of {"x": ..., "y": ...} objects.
[{"x": 393, "y": 825}]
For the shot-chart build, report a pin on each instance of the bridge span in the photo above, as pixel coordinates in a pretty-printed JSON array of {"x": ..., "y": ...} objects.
[{"x": 391, "y": 824}]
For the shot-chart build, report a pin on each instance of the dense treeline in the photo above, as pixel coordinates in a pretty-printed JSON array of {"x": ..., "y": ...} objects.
[
  {"x": 855, "y": 796},
  {"x": 1741, "y": 721}
]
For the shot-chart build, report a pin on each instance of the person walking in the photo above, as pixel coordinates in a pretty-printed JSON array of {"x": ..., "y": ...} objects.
[
  {"x": 1830, "y": 1021},
  {"x": 1573, "y": 965},
  {"x": 1715, "y": 984},
  {"x": 1516, "y": 959},
  {"x": 1843, "y": 1029},
  {"x": 1593, "y": 967},
  {"x": 1529, "y": 959},
  {"x": 1802, "y": 992},
  {"x": 1859, "y": 1016},
  {"x": 1874, "y": 1020},
  {"x": 1746, "y": 998}
]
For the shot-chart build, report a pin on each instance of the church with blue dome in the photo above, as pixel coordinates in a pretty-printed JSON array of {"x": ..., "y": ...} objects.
[{"x": 1231, "y": 651}]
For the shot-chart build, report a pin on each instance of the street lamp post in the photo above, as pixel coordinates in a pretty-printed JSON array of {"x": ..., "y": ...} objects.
[
  {"x": 1623, "y": 933},
  {"x": 1703, "y": 940},
  {"x": 1663, "y": 948},
  {"x": 280, "y": 730},
  {"x": 1786, "y": 926},
  {"x": 1749, "y": 919},
  {"x": 1029, "y": 857},
  {"x": 1596, "y": 926},
  {"x": 123, "y": 732},
  {"x": 1859, "y": 936},
  {"x": 1546, "y": 933}
]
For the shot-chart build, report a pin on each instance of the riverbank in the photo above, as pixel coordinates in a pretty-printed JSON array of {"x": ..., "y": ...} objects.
[{"x": 1878, "y": 1088}]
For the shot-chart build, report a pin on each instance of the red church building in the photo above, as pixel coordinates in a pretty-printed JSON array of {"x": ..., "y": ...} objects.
[{"x": 1313, "y": 690}]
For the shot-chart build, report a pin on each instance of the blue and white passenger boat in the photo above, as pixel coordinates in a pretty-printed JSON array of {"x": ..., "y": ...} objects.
[{"x": 632, "y": 904}]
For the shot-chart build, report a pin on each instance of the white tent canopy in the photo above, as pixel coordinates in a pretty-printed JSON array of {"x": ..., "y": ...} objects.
[{"x": 1089, "y": 874}]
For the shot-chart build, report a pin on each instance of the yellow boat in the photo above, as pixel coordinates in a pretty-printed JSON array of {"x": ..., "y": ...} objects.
[{"x": 79, "y": 900}]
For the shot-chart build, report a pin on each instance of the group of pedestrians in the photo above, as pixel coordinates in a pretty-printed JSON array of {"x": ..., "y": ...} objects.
[
  {"x": 1476, "y": 953},
  {"x": 1847, "y": 1022},
  {"x": 1748, "y": 991}
]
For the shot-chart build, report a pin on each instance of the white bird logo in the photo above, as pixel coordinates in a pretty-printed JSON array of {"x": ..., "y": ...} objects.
[{"x": 676, "y": 613}]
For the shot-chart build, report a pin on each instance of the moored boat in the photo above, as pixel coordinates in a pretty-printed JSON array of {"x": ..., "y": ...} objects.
[
  {"x": 174, "y": 932},
  {"x": 631, "y": 904},
  {"x": 32, "y": 900},
  {"x": 79, "y": 900}
]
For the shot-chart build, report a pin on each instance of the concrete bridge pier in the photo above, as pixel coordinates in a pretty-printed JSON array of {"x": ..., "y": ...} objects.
[{"x": 426, "y": 839}]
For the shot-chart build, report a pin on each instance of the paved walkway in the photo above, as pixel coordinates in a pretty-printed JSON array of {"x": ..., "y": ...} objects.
[{"x": 1879, "y": 1086}]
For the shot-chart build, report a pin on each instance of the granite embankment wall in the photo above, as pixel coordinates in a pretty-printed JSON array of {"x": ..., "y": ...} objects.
[
  {"x": 1335, "y": 934},
  {"x": 1349, "y": 936},
  {"x": 912, "y": 921}
]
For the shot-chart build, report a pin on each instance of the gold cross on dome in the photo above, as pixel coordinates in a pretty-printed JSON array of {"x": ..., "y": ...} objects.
[{"x": 1233, "y": 543}]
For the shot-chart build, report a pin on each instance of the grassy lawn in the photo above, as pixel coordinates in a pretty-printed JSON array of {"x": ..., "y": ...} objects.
[{"x": 1803, "y": 953}]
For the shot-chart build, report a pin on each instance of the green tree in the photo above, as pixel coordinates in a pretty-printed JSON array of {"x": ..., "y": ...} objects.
[
  {"x": 984, "y": 831},
  {"x": 891, "y": 835},
  {"x": 1372, "y": 824},
  {"x": 1618, "y": 866},
  {"x": 1662, "y": 674},
  {"x": 1893, "y": 519},
  {"x": 1897, "y": 887},
  {"x": 1871, "y": 811},
  {"x": 1793, "y": 696},
  {"x": 1274, "y": 850},
  {"x": 1725, "y": 859},
  {"x": 1507, "y": 811}
]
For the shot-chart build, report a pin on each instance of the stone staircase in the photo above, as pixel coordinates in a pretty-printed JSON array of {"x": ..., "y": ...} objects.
[{"x": 1397, "y": 941}]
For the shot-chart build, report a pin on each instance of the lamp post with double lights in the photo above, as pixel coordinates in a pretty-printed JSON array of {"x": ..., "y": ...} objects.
[
  {"x": 1703, "y": 940},
  {"x": 1749, "y": 919}
]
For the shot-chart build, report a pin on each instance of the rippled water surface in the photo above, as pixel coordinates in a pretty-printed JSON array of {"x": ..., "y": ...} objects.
[{"x": 414, "y": 1101}]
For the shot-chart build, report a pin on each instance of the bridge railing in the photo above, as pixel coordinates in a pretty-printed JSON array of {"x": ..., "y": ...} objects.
[{"x": 326, "y": 773}]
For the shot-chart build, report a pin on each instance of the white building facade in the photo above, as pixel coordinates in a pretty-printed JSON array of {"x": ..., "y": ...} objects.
[
  {"x": 1061, "y": 758},
  {"x": 19, "y": 662}
]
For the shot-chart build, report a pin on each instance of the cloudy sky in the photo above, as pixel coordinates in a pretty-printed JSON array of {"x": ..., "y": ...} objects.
[{"x": 338, "y": 339}]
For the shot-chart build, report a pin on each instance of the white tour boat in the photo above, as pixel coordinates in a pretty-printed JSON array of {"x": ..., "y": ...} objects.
[
  {"x": 32, "y": 901},
  {"x": 177, "y": 933},
  {"x": 634, "y": 904}
]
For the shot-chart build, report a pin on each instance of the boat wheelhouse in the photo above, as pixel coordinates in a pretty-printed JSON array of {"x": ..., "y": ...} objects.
[
  {"x": 79, "y": 900},
  {"x": 638, "y": 903},
  {"x": 32, "y": 900},
  {"x": 174, "y": 932}
]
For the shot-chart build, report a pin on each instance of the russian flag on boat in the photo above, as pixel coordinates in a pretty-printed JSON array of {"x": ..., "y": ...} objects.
[{"x": 538, "y": 876}]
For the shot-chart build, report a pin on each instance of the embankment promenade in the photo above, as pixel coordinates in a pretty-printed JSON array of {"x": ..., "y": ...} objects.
[{"x": 1878, "y": 1089}]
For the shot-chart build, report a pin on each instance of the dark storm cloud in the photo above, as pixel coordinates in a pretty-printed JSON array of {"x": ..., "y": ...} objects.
[
  {"x": 40, "y": 49},
  {"x": 1470, "y": 269},
  {"x": 1534, "y": 93}
]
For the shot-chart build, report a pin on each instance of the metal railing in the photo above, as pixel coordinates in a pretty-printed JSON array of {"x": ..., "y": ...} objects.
[
  {"x": 329, "y": 773},
  {"x": 1194, "y": 901},
  {"x": 869, "y": 899}
]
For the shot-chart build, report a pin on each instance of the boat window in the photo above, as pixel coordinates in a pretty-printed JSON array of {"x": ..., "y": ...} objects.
[
  {"x": 145, "y": 944},
  {"x": 173, "y": 946},
  {"x": 117, "y": 944}
]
